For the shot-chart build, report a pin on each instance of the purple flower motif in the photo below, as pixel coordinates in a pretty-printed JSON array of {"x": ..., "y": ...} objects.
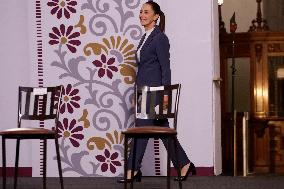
[
  {"x": 69, "y": 99},
  {"x": 65, "y": 37},
  {"x": 60, "y": 7},
  {"x": 108, "y": 161},
  {"x": 105, "y": 66},
  {"x": 70, "y": 131}
]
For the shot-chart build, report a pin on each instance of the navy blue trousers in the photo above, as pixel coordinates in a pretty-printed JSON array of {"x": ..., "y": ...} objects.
[{"x": 141, "y": 144}]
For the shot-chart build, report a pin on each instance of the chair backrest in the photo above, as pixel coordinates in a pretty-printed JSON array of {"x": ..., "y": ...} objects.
[
  {"x": 39, "y": 103},
  {"x": 149, "y": 102}
]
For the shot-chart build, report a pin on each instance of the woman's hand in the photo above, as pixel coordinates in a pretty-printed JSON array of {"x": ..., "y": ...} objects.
[
  {"x": 133, "y": 101},
  {"x": 166, "y": 102}
]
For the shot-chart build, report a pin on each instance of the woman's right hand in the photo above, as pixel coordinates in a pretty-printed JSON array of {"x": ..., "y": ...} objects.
[{"x": 166, "y": 102}]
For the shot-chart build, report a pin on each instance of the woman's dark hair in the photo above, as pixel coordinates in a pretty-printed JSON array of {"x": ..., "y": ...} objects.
[{"x": 157, "y": 10}]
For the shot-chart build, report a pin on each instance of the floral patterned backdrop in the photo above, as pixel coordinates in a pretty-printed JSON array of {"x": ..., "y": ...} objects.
[{"x": 89, "y": 47}]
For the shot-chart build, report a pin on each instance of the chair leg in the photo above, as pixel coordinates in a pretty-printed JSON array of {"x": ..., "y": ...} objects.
[
  {"x": 133, "y": 162},
  {"x": 168, "y": 165},
  {"x": 125, "y": 160},
  {"x": 4, "y": 161},
  {"x": 16, "y": 163},
  {"x": 44, "y": 163},
  {"x": 59, "y": 163},
  {"x": 179, "y": 166}
]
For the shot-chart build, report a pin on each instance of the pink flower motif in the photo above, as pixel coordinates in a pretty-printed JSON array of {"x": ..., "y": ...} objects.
[
  {"x": 60, "y": 7},
  {"x": 70, "y": 131},
  {"x": 65, "y": 37},
  {"x": 105, "y": 66},
  {"x": 69, "y": 99},
  {"x": 108, "y": 161}
]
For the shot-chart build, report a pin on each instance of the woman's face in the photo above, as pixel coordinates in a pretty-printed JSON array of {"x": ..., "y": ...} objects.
[{"x": 147, "y": 16}]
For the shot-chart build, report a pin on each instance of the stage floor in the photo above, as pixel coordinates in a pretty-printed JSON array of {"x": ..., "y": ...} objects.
[{"x": 202, "y": 182}]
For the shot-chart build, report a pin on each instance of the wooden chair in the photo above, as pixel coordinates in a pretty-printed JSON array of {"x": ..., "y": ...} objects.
[
  {"x": 35, "y": 104},
  {"x": 149, "y": 102}
]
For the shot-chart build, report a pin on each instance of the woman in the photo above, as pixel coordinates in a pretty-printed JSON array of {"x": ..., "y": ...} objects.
[{"x": 153, "y": 59}]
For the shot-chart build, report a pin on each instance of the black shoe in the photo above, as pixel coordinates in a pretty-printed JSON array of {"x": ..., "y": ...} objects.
[
  {"x": 191, "y": 170},
  {"x": 136, "y": 178}
]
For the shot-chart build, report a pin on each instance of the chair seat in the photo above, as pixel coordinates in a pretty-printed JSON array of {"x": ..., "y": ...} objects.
[
  {"x": 150, "y": 130},
  {"x": 27, "y": 131}
]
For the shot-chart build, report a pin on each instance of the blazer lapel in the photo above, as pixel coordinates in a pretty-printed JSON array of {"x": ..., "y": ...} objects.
[
  {"x": 147, "y": 42},
  {"x": 150, "y": 38},
  {"x": 141, "y": 41}
]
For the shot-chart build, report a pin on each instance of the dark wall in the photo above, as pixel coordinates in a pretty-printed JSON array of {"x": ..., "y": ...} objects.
[{"x": 273, "y": 12}]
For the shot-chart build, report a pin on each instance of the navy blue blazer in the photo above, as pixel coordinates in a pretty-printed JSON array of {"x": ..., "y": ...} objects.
[{"x": 154, "y": 65}]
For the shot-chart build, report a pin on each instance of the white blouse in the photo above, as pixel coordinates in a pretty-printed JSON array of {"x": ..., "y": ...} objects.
[{"x": 147, "y": 35}]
